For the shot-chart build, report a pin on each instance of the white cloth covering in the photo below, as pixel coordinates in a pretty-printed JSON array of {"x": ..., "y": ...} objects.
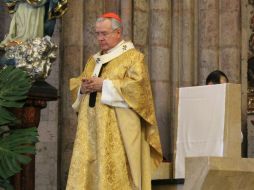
[{"x": 201, "y": 117}]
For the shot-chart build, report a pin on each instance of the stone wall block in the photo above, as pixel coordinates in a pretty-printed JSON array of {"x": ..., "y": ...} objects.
[
  {"x": 176, "y": 32},
  {"x": 52, "y": 106},
  {"x": 186, "y": 83},
  {"x": 70, "y": 35},
  {"x": 160, "y": 64},
  {"x": 48, "y": 131},
  {"x": 161, "y": 93},
  {"x": 126, "y": 15},
  {"x": 46, "y": 166},
  {"x": 161, "y": 5},
  {"x": 208, "y": 5},
  {"x": 141, "y": 5},
  {"x": 160, "y": 29},
  {"x": 230, "y": 29},
  {"x": 72, "y": 67},
  {"x": 65, "y": 163},
  {"x": 72, "y": 60},
  {"x": 70, "y": 131},
  {"x": 92, "y": 9},
  {"x": 140, "y": 28},
  {"x": 112, "y": 6},
  {"x": 208, "y": 29},
  {"x": 209, "y": 59},
  {"x": 188, "y": 5},
  {"x": 230, "y": 63},
  {"x": 234, "y": 5},
  {"x": 145, "y": 51},
  {"x": 90, "y": 44},
  {"x": 187, "y": 46}
]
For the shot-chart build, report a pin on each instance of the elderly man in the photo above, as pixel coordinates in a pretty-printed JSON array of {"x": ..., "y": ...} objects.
[{"x": 117, "y": 145}]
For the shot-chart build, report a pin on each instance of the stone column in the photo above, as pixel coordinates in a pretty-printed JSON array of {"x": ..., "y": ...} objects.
[
  {"x": 112, "y": 6},
  {"x": 229, "y": 39},
  {"x": 159, "y": 52},
  {"x": 187, "y": 62},
  {"x": 91, "y": 11},
  {"x": 174, "y": 68},
  {"x": 141, "y": 26},
  {"x": 230, "y": 53},
  {"x": 126, "y": 15},
  {"x": 184, "y": 60},
  {"x": 208, "y": 38},
  {"x": 71, "y": 65}
]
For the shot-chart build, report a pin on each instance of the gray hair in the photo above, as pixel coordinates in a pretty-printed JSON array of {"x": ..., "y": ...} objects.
[{"x": 115, "y": 23}]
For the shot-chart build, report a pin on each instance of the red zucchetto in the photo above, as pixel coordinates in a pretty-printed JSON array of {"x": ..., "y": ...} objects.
[{"x": 111, "y": 15}]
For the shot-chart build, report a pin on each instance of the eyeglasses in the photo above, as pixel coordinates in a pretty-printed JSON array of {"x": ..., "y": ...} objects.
[{"x": 104, "y": 34}]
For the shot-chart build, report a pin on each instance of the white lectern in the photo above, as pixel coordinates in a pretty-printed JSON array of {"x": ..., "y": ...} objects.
[{"x": 209, "y": 123}]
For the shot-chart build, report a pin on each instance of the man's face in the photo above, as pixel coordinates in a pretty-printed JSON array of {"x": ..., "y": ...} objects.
[{"x": 107, "y": 38}]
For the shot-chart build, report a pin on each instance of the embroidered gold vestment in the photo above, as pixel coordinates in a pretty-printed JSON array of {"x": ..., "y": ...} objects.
[{"x": 116, "y": 148}]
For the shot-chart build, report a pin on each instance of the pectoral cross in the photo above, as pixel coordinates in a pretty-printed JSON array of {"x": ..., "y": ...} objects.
[{"x": 124, "y": 47}]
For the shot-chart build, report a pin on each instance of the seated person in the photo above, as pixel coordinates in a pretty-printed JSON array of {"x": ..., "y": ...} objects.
[{"x": 216, "y": 77}]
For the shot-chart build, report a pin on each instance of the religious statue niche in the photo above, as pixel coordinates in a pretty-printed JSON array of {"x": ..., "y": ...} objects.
[{"x": 28, "y": 44}]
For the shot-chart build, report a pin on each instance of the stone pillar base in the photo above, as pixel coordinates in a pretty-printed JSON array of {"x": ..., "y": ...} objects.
[{"x": 213, "y": 173}]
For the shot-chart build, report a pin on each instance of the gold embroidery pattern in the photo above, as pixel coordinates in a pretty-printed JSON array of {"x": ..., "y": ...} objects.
[{"x": 99, "y": 160}]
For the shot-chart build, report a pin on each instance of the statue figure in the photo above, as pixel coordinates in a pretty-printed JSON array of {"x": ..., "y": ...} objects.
[
  {"x": 28, "y": 45},
  {"x": 34, "y": 56},
  {"x": 32, "y": 18}
]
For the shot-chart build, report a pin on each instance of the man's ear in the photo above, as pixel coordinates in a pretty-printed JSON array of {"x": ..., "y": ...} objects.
[{"x": 119, "y": 31}]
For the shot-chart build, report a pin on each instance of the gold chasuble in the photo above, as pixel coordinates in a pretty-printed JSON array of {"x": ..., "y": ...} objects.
[{"x": 116, "y": 148}]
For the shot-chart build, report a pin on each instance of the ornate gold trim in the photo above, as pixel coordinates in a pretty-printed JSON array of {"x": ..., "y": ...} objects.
[
  {"x": 59, "y": 10},
  {"x": 11, "y": 7},
  {"x": 34, "y": 2}
]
